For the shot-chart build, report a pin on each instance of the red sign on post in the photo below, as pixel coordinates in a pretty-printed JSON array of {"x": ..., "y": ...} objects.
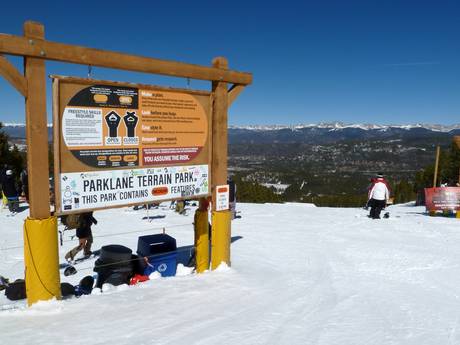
[{"x": 442, "y": 198}]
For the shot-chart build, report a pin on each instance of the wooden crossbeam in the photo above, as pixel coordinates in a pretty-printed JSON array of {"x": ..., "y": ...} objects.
[
  {"x": 13, "y": 76},
  {"x": 234, "y": 92},
  {"x": 42, "y": 49}
]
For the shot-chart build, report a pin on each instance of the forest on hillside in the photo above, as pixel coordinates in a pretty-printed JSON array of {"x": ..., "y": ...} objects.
[{"x": 343, "y": 189}]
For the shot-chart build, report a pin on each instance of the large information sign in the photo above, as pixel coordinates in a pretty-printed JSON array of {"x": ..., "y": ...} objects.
[
  {"x": 123, "y": 144},
  {"x": 442, "y": 198}
]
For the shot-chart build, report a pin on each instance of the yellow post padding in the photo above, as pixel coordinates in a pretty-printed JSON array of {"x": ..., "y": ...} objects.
[
  {"x": 220, "y": 242},
  {"x": 41, "y": 257},
  {"x": 201, "y": 241}
]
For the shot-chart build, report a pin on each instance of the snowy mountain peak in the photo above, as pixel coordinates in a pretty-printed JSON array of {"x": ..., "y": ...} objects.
[{"x": 334, "y": 126}]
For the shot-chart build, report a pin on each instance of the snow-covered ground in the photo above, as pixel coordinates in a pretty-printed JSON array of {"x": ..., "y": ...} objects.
[{"x": 299, "y": 275}]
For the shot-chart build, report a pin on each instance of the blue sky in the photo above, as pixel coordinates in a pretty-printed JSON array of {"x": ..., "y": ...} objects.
[{"x": 312, "y": 61}]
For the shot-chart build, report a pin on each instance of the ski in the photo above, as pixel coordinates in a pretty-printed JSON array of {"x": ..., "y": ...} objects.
[{"x": 74, "y": 262}]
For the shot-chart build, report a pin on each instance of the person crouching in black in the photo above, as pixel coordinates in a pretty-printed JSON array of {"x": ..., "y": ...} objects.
[{"x": 378, "y": 197}]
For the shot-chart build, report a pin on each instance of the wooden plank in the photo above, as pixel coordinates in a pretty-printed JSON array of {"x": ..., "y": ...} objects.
[
  {"x": 13, "y": 76},
  {"x": 36, "y": 128},
  {"x": 39, "y": 48},
  {"x": 219, "y": 131},
  {"x": 56, "y": 147},
  {"x": 234, "y": 92}
]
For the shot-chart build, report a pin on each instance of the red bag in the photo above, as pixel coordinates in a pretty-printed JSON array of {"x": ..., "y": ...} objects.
[{"x": 138, "y": 278}]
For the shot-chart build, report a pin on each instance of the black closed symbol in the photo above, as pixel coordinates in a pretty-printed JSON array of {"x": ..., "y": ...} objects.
[{"x": 130, "y": 121}]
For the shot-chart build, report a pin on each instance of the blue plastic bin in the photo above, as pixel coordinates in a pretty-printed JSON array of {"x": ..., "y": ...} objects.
[{"x": 160, "y": 249}]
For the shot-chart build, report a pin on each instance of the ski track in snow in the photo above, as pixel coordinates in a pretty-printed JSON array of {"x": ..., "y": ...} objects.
[{"x": 299, "y": 275}]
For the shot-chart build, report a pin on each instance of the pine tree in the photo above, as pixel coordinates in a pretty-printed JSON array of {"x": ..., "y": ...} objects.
[
  {"x": 4, "y": 147},
  {"x": 13, "y": 158},
  {"x": 253, "y": 192},
  {"x": 404, "y": 192}
]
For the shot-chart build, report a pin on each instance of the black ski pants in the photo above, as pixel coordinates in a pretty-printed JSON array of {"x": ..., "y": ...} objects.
[{"x": 376, "y": 207}]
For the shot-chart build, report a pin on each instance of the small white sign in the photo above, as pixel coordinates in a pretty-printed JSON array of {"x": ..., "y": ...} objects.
[
  {"x": 113, "y": 141},
  {"x": 82, "y": 127},
  {"x": 222, "y": 197}
]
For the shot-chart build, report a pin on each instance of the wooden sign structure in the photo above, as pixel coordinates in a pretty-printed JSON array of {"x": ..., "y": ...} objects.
[{"x": 40, "y": 230}]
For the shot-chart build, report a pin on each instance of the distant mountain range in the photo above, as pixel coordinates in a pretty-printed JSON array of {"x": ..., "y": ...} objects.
[
  {"x": 328, "y": 133},
  {"x": 333, "y": 126},
  {"x": 18, "y": 130},
  {"x": 322, "y": 133}
]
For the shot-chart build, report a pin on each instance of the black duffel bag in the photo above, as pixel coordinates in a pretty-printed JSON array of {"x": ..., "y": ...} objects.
[{"x": 16, "y": 290}]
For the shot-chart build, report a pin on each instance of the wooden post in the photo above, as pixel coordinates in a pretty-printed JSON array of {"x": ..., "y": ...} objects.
[
  {"x": 41, "y": 253},
  {"x": 435, "y": 177},
  {"x": 36, "y": 128},
  {"x": 219, "y": 131},
  {"x": 456, "y": 140},
  {"x": 221, "y": 225}
]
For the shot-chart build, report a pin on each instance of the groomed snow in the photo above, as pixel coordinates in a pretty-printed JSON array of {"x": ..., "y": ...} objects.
[{"x": 299, "y": 275}]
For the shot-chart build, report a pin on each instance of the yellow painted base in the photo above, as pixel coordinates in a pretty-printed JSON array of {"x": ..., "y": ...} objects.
[
  {"x": 41, "y": 257},
  {"x": 221, "y": 238},
  {"x": 201, "y": 225}
]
